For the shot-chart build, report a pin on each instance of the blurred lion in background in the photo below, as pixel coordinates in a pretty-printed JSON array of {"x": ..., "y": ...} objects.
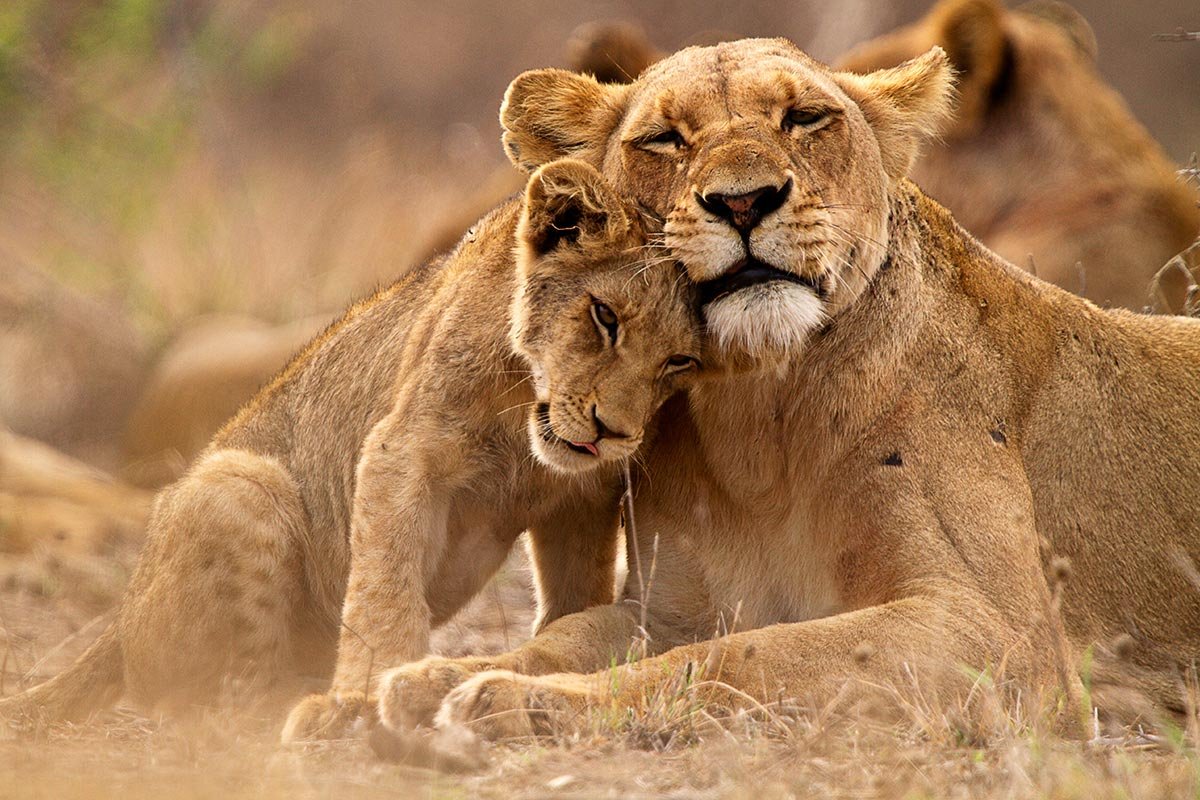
[{"x": 1044, "y": 161}]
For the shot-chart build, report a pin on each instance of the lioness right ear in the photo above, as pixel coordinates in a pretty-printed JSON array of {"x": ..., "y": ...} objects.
[
  {"x": 567, "y": 200},
  {"x": 904, "y": 105},
  {"x": 552, "y": 113}
]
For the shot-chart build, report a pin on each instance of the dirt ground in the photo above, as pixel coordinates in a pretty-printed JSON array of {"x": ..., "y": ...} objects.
[{"x": 51, "y": 606}]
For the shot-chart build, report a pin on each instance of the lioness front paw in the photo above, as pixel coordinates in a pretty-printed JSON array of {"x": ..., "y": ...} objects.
[
  {"x": 410, "y": 695},
  {"x": 501, "y": 705},
  {"x": 327, "y": 716}
]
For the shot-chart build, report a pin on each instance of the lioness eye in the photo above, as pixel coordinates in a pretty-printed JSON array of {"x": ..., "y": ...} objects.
[
  {"x": 678, "y": 363},
  {"x": 668, "y": 139},
  {"x": 804, "y": 118},
  {"x": 605, "y": 320}
]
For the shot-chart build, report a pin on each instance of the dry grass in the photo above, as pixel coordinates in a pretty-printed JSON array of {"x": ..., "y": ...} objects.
[{"x": 811, "y": 755}]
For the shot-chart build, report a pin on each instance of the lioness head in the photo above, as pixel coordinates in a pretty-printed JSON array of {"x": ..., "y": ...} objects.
[
  {"x": 770, "y": 170},
  {"x": 606, "y": 322}
]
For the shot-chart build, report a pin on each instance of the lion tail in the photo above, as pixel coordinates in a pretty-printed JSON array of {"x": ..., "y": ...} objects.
[{"x": 94, "y": 681}]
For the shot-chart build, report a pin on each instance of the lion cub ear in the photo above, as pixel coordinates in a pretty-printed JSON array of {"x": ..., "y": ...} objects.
[
  {"x": 566, "y": 201},
  {"x": 552, "y": 113},
  {"x": 904, "y": 105}
]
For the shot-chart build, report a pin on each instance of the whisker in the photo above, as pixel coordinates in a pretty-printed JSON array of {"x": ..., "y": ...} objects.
[
  {"x": 516, "y": 385},
  {"x": 529, "y": 404}
]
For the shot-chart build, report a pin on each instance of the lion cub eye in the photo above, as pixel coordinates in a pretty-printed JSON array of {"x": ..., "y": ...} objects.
[
  {"x": 679, "y": 363},
  {"x": 807, "y": 118},
  {"x": 606, "y": 321}
]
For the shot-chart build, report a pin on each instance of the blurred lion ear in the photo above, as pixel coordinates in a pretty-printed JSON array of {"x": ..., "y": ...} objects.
[
  {"x": 904, "y": 105},
  {"x": 612, "y": 52},
  {"x": 568, "y": 200},
  {"x": 552, "y": 113},
  {"x": 972, "y": 33}
]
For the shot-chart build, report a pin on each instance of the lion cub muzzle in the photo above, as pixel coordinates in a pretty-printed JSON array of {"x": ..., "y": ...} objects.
[{"x": 585, "y": 437}]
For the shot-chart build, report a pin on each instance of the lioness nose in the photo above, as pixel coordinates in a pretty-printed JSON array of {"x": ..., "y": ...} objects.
[{"x": 744, "y": 211}]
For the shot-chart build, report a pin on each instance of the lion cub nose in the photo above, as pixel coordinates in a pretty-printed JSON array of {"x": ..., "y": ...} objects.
[
  {"x": 744, "y": 211},
  {"x": 603, "y": 431}
]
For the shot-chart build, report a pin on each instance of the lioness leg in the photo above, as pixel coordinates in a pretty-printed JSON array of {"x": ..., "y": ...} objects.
[
  {"x": 209, "y": 606},
  {"x": 844, "y": 656},
  {"x": 574, "y": 554}
]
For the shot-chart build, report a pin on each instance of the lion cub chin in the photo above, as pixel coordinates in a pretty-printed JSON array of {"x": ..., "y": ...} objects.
[{"x": 600, "y": 331}]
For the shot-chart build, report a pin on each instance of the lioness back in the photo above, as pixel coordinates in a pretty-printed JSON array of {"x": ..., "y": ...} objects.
[{"x": 1102, "y": 406}]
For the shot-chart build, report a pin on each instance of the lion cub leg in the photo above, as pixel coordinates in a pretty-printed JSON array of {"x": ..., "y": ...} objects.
[
  {"x": 398, "y": 532},
  {"x": 208, "y": 609},
  {"x": 574, "y": 554}
]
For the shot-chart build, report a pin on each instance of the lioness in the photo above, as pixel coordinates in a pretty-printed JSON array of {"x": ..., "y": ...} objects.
[
  {"x": 929, "y": 426},
  {"x": 390, "y": 465},
  {"x": 1044, "y": 161}
]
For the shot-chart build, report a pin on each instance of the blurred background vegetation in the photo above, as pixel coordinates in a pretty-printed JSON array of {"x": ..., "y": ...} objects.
[{"x": 279, "y": 157}]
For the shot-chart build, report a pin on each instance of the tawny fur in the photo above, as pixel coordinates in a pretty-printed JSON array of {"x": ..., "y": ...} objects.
[
  {"x": 71, "y": 366},
  {"x": 898, "y": 486},
  {"x": 1043, "y": 162},
  {"x": 372, "y": 489},
  {"x": 52, "y": 503}
]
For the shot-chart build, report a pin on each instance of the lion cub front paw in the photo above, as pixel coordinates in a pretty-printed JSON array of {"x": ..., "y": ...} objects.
[
  {"x": 327, "y": 716},
  {"x": 410, "y": 695}
]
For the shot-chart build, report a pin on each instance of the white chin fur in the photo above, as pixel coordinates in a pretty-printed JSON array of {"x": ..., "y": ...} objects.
[{"x": 768, "y": 319}]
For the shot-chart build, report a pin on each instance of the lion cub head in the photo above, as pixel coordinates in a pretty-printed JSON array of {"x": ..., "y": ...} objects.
[{"x": 606, "y": 322}]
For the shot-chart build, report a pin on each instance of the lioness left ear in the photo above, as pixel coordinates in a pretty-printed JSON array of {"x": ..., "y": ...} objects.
[
  {"x": 567, "y": 200},
  {"x": 553, "y": 113},
  {"x": 904, "y": 105}
]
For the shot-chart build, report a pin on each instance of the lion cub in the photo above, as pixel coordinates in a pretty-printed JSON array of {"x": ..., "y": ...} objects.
[
  {"x": 605, "y": 334},
  {"x": 368, "y": 493}
]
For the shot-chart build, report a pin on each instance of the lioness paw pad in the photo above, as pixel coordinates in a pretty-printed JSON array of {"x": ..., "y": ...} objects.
[{"x": 500, "y": 704}]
